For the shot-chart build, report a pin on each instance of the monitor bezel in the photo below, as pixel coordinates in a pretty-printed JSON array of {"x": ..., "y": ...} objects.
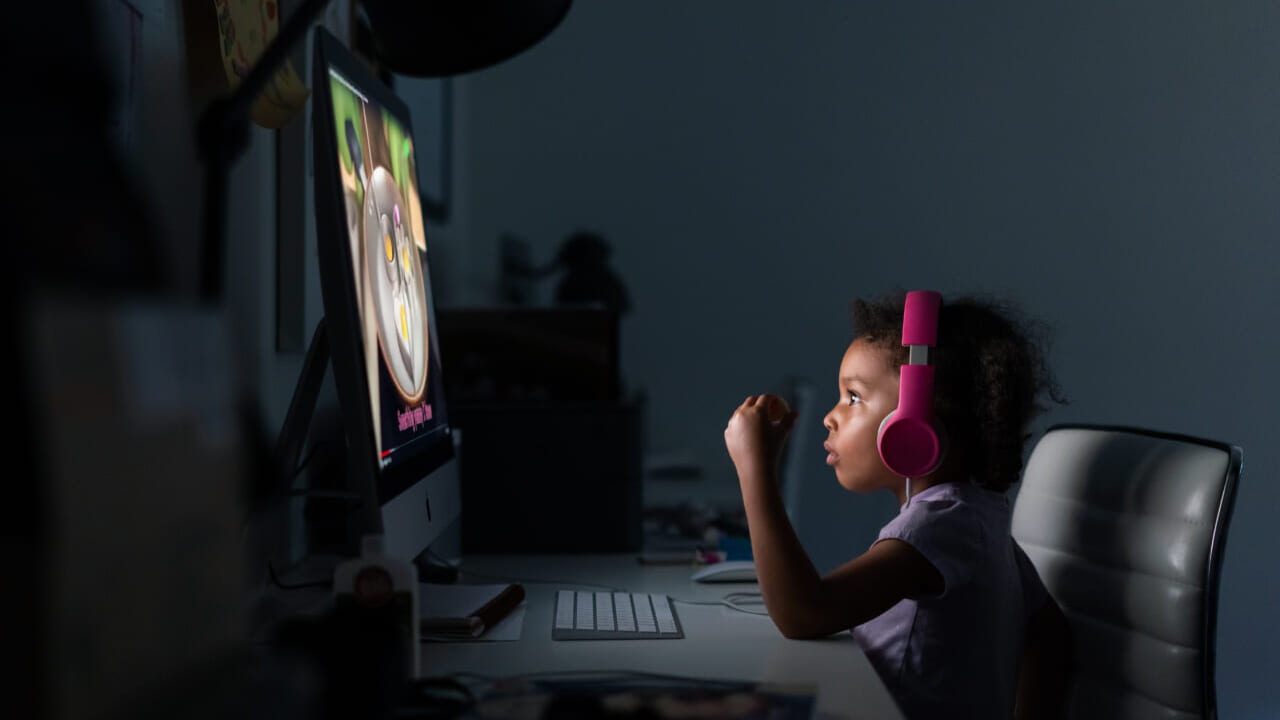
[{"x": 338, "y": 291}]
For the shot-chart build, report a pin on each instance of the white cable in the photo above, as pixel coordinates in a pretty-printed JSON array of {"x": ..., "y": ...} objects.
[{"x": 733, "y": 601}]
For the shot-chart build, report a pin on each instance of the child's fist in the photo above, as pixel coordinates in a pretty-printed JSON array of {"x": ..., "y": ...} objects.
[{"x": 776, "y": 409}]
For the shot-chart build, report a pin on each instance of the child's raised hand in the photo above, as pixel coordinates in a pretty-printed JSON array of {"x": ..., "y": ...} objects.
[{"x": 755, "y": 436}]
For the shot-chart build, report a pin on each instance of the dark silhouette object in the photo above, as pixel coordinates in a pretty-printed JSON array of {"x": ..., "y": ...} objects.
[
  {"x": 587, "y": 278},
  {"x": 518, "y": 274},
  {"x": 583, "y": 258},
  {"x": 438, "y": 38}
]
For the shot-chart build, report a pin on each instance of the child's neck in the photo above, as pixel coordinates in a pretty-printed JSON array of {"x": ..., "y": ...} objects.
[{"x": 918, "y": 485}]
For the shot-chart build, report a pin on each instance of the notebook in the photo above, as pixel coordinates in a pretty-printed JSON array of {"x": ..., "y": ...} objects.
[{"x": 470, "y": 612}]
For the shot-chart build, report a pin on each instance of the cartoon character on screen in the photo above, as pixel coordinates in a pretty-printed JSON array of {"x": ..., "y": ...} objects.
[
  {"x": 352, "y": 195},
  {"x": 396, "y": 281}
]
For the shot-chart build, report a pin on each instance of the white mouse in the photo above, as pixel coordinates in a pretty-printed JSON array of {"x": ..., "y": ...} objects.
[{"x": 727, "y": 571}]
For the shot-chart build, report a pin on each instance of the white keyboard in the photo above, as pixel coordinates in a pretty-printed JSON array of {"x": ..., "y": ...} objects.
[{"x": 614, "y": 616}]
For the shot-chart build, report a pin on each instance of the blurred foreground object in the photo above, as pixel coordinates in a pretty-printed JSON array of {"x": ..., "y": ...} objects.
[
  {"x": 122, "y": 470},
  {"x": 244, "y": 31},
  {"x": 132, "y": 407}
]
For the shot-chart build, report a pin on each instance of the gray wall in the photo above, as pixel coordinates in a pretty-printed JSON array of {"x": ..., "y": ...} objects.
[
  {"x": 755, "y": 165},
  {"x": 758, "y": 165}
]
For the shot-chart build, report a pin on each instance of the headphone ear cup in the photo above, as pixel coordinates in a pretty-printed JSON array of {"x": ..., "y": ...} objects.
[
  {"x": 909, "y": 446},
  {"x": 880, "y": 431}
]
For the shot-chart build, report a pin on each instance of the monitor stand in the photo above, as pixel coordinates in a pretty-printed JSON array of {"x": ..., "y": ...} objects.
[
  {"x": 430, "y": 571},
  {"x": 297, "y": 424},
  {"x": 297, "y": 421},
  {"x": 293, "y": 434}
]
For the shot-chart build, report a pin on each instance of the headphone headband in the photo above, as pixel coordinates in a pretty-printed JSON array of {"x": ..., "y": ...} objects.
[
  {"x": 908, "y": 439},
  {"x": 920, "y": 318}
]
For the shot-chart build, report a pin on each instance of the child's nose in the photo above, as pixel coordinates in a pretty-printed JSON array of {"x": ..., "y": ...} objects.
[{"x": 829, "y": 420}]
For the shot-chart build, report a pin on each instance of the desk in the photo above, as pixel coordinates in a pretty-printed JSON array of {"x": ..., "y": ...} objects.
[{"x": 719, "y": 642}]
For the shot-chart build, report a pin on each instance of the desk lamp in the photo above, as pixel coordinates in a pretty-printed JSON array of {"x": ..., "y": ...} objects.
[{"x": 423, "y": 38}]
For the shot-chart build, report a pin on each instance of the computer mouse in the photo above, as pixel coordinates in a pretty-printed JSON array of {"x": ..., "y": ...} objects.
[{"x": 727, "y": 571}]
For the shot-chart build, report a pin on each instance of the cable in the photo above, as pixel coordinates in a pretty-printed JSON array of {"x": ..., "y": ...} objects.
[
  {"x": 734, "y": 601},
  {"x": 526, "y": 581},
  {"x": 272, "y": 499},
  {"x": 437, "y": 697},
  {"x": 738, "y": 601},
  {"x": 275, "y": 579}
]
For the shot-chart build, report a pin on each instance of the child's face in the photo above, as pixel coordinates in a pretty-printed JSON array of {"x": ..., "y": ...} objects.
[{"x": 868, "y": 392}]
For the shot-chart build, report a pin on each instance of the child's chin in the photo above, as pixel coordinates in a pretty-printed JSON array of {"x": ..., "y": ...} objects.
[{"x": 850, "y": 484}]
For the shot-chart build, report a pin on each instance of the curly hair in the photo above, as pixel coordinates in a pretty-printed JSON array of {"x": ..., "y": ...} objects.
[{"x": 990, "y": 376}]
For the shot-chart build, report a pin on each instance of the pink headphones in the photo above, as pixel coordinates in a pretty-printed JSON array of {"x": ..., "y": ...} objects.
[{"x": 909, "y": 440}]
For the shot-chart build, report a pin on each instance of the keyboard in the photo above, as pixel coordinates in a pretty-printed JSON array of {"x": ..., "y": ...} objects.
[{"x": 614, "y": 616}]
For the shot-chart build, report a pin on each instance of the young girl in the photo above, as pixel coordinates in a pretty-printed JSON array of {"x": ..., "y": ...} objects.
[{"x": 946, "y": 606}]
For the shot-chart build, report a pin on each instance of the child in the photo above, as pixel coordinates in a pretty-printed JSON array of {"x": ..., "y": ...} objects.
[{"x": 946, "y": 606}]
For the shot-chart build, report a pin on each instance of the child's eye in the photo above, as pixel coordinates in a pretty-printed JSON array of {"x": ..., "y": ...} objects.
[{"x": 853, "y": 398}]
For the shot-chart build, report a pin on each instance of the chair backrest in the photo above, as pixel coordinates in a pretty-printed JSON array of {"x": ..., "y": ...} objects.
[{"x": 1127, "y": 528}]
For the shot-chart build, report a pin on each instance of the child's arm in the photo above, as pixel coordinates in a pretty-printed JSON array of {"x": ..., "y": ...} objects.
[
  {"x": 799, "y": 601},
  {"x": 1044, "y": 670}
]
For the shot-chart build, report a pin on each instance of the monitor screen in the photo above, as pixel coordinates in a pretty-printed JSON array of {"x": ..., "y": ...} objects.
[{"x": 375, "y": 280}]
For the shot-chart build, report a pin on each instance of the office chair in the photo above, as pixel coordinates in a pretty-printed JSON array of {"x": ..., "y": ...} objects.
[{"x": 1127, "y": 529}]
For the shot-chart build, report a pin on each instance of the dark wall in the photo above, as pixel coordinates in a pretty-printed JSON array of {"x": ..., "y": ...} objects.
[{"x": 1112, "y": 168}]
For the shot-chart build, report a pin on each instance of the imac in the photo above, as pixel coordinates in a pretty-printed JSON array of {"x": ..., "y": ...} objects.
[{"x": 379, "y": 327}]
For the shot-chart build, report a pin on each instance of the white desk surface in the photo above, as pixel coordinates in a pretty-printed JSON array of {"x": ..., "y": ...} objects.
[{"x": 719, "y": 642}]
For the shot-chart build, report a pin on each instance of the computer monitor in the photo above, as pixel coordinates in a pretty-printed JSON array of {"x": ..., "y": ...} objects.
[{"x": 379, "y": 315}]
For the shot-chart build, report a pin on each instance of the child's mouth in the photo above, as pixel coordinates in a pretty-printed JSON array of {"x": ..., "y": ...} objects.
[{"x": 832, "y": 457}]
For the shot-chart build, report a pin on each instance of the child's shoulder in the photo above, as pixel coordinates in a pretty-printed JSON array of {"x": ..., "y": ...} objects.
[
  {"x": 961, "y": 492},
  {"x": 959, "y": 495},
  {"x": 955, "y": 527},
  {"x": 950, "y": 506}
]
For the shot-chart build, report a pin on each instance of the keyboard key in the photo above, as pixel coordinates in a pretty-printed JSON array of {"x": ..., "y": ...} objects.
[
  {"x": 564, "y": 609},
  {"x": 604, "y": 611},
  {"x": 626, "y": 616},
  {"x": 662, "y": 610},
  {"x": 585, "y": 618},
  {"x": 644, "y": 615}
]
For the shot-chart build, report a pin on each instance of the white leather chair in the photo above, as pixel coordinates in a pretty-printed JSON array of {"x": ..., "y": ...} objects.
[{"x": 1127, "y": 528}]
